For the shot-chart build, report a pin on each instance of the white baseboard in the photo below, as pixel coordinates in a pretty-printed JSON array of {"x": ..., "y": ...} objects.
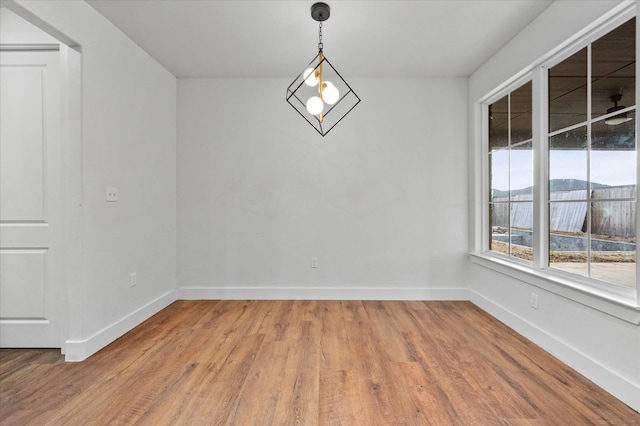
[
  {"x": 79, "y": 350},
  {"x": 321, "y": 293},
  {"x": 618, "y": 386}
]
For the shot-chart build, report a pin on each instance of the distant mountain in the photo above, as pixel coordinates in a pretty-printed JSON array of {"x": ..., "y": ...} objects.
[
  {"x": 554, "y": 185},
  {"x": 571, "y": 185}
]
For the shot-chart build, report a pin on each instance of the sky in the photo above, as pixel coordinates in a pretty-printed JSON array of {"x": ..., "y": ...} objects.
[{"x": 607, "y": 167}]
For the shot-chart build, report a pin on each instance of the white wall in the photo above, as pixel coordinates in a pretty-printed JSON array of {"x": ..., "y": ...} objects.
[
  {"x": 15, "y": 30},
  {"x": 602, "y": 347},
  {"x": 381, "y": 200},
  {"x": 128, "y": 142}
]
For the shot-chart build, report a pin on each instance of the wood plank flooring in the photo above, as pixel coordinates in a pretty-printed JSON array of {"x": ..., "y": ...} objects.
[{"x": 307, "y": 363}]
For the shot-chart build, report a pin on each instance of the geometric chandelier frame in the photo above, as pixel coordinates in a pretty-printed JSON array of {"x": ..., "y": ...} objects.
[{"x": 319, "y": 93}]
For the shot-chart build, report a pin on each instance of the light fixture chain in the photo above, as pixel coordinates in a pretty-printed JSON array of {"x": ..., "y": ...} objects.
[{"x": 320, "y": 45}]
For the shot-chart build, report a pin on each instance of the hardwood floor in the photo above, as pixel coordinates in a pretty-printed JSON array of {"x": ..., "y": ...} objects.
[{"x": 308, "y": 363}]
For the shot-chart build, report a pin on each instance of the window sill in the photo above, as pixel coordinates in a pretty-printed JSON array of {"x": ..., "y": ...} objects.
[{"x": 624, "y": 308}]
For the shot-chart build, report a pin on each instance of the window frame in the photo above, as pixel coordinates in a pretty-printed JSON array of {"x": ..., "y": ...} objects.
[
  {"x": 615, "y": 300},
  {"x": 486, "y": 238}
]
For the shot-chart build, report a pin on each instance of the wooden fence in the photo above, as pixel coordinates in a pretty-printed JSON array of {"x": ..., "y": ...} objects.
[
  {"x": 568, "y": 211},
  {"x": 616, "y": 218}
]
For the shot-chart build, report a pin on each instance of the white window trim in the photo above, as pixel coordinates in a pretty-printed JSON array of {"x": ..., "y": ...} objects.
[{"x": 619, "y": 302}]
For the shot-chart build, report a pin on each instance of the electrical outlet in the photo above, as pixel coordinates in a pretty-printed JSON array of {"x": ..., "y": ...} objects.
[
  {"x": 133, "y": 279},
  {"x": 314, "y": 262},
  {"x": 534, "y": 301},
  {"x": 112, "y": 195}
]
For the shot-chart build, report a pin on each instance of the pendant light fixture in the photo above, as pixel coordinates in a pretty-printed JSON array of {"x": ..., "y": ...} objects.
[
  {"x": 319, "y": 93},
  {"x": 619, "y": 118}
]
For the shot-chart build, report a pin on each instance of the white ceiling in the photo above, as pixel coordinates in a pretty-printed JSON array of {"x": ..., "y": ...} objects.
[{"x": 208, "y": 38}]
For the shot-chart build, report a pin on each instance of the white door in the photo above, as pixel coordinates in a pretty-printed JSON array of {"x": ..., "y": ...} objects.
[{"x": 29, "y": 188}]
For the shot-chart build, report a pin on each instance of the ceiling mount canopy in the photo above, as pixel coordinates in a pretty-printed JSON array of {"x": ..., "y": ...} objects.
[
  {"x": 320, "y": 12},
  {"x": 319, "y": 93}
]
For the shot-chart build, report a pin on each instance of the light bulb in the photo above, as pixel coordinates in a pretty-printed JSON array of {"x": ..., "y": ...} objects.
[
  {"x": 310, "y": 78},
  {"x": 330, "y": 93},
  {"x": 315, "y": 105}
]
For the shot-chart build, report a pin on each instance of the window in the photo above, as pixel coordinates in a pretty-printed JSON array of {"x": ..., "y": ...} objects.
[
  {"x": 563, "y": 199},
  {"x": 511, "y": 172},
  {"x": 592, "y": 160}
]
